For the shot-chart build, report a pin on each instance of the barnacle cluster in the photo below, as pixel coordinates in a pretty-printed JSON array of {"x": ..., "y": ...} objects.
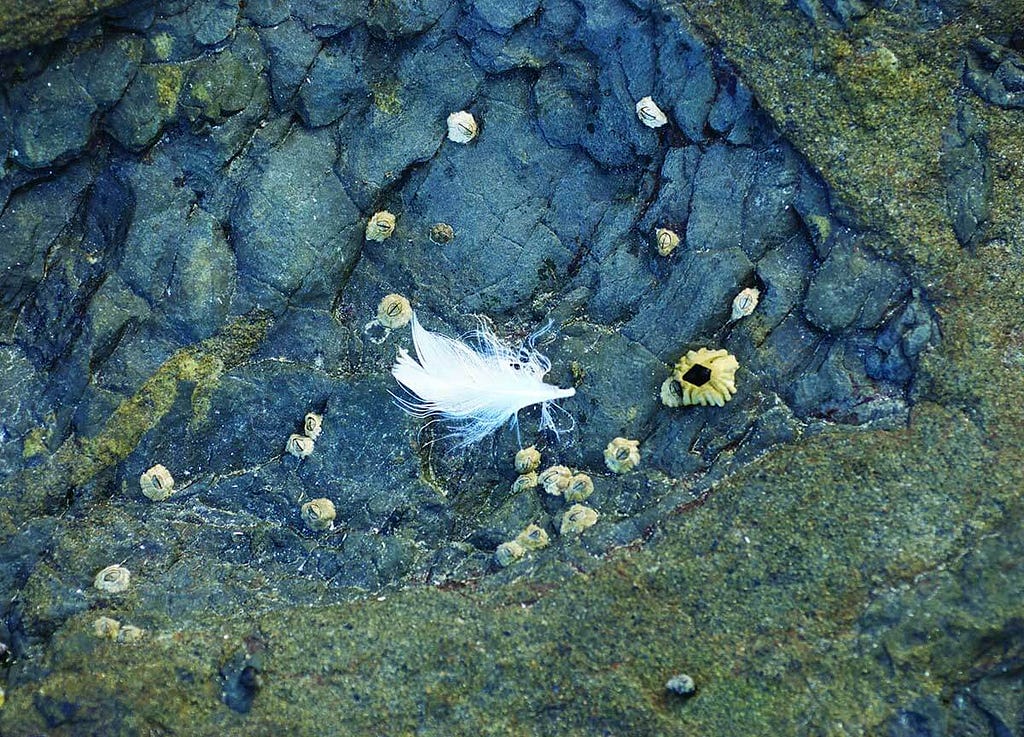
[
  {"x": 533, "y": 537},
  {"x": 107, "y": 628},
  {"x": 701, "y": 377},
  {"x": 301, "y": 444}
]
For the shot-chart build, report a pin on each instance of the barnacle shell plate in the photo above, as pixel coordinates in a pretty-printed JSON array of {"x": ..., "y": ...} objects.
[
  {"x": 462, "y": 127},
  {"x": 622, "y": 455},
  {"x": 157, "y": 483},
  {"x": 394, "y": 311},
  {"x": 650, "y": 114}
]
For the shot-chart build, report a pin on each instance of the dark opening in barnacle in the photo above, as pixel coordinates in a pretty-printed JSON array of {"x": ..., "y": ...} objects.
[{"x": 697, "y": 375}]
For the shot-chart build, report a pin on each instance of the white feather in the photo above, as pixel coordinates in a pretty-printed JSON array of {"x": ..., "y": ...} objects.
[{"x": 476, "y": 389}]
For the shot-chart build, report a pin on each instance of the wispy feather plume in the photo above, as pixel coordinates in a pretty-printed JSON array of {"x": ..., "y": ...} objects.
[{"x": 477, "y": 388}]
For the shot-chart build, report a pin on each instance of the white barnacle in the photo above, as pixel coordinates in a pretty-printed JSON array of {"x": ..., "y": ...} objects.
[
  {"x": 312, "y": 426},
  {"x": 581, "y": 486},
  {"x": 745, "y": 302},
  {"x": 157, "y": 483},
  {"x": 299, "y": 446},
  {"x": 666, "y": 240},
  {"x": 113, "y": 579},
  {"x": 380, "y": 226},
  {"x": 650, "y": 114},
  {"x": 576, "y": 519},
  {"x": 555, "y": 479},
  {"x": 462, "y": 127}
]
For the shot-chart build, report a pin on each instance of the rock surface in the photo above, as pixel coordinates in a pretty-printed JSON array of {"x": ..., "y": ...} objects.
[{"x": 184, "y": 189}]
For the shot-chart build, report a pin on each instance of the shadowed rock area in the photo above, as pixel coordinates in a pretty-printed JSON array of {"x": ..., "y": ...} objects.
[{"x": 184, "y": 193}]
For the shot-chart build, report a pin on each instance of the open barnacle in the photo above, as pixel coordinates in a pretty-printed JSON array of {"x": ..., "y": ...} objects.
[
  {"x": 442, "y": 233},
  {"x": 650, "y": 114},
  {"x": 576, "y": 519},
  {"x": 701, "y": 377},
  {"x": 319, "y": 514},
  {"x": 622, "y": 455},
  {"x": 580, "y": 488},
  {"x": 524, "y": 482},
  {"x": 462, "y": 127},
  {"x": 527, "y": 459},
  {"x": 157, "y": 483},
  {"x": 555, "y": 479},
  {"x": 299, "y": 446},
  {"x": 380, "y": 226},
  {"x": 394, "y": 311},
  {"x": 113, "y": 579},
  {"x": 745, "y": 302},
  {"x": 666, "y": 240},
  {"x": 312, "y": 426}
]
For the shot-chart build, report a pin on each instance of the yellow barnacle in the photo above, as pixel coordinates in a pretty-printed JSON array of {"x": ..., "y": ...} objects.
[
  {"x": 622, "y": 455},
  {"x": 555, "y": 479},
  {"x": 524, "y": 482},
  {"x": 577, "y": 518},
  {"x": 528, "y": 459},
  {"x": 666, "y": 240},
  {"x": 701, "y": 377},
  {"x": 106, "y": 628},
  {"x": 380, "y": 226},
  {"x": 533, "y": 537},
  {"x": 319, "y": 514},
  {"x": 157, "y": 483},
  {"x": 394, "y": 311},
  {"x": 580, "y": 488},
  {"x": 508, "y": 553}
]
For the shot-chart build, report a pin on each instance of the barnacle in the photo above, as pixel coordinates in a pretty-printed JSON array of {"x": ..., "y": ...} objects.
[
  {"x": 666, "y": 240},
  {"x": 580, "y": 488},
  {"x": 533, "y": 537},
  {"x": 462, "y": 127},
  {"x": 528, "y": 459},
  {"x": 312, "y": 426},
  {"x": 299, "y": 446},
  {"x": 442, "y": 233},
  {"x": 577, "y": 518},
  {"x": 524, "y": 482},
  {"x": 319, "y": 514},
  {"x": 113, "y": 579},
  {"x": 650, "y": 114},
  {"x": 157, "y": 483},
  {"x": 745, "y": 302},
  {"x": 508, "y": 553},
  {"x": 106, "y": 628},
  {"x": 555, "y": 479},
  {"x": 380, "y": 226},
  {"x": 701, "y": 377},
  {"x": 622, "y": 455},
  {"x": 130, "y": 634},
  {"x": 394, "y": 311}
]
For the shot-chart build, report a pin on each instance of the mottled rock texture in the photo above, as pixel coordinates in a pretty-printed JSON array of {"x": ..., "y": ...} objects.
[{"x": 184, "y": 189}]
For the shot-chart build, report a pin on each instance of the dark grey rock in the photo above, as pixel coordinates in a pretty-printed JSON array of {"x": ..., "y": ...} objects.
[
  {"x": 149, "y": 103},
  {"x": 294, "y": 231},
  {"x": 220, "y": 86},
  {"x": 406, "y": 124},
  {"x": 291, "y": 51},
  {"x": 901, "y": 342},
  {"x": 404, "y": 17},
  {"x": 852, "y": 288},
  {"x": 783, "y": 275},
  {"x": 52, "y": 117},
  {"x": 336, "y": 82},
  {"x": 105, "y": 70},
  {"x": 266, "y": 13},
  {"x": 686, "y": 79},
  {"x": 213, "y": 21},
  {"x": 22, "y": 407},
  {"x": 327, "y": 18},
  {"x": 562, "y": 94},
  {"x": 995, "y": 73},
  {"x": 968, "y": 177},
  {"x": 504, "y": 16},
  {"x": 675, "y": 191}
]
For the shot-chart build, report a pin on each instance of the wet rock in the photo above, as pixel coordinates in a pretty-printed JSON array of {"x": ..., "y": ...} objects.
[
  {"x": 562, "y": 94},
  {"x": 212, "y": 22},
  {"x": 335, "y": 83},
  {"x": 968, "y": 177},
  {"x": 22, "y": 408},
  {"x": 504, "y": 16},
  {"x": 291, "y": 52},
  {"x": 326, "y": 18},
  {"x": 266, "y": 13},
  {"x": 687, "y": 78},
  {"x": 294, "y": 230},
  {"x": 219, "y": 86},
  {"x": 404, "y": 17},
  {"x": 149, "y": 103},
  {"x": 995, "y": 73},
  {"x": 899, "y": 345},
  {"x": 852, "y": 288},
  {"x": 53, "y": 117}
]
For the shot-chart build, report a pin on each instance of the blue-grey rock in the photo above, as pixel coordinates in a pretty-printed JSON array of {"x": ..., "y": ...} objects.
[
  {"x": 291, "y": 51},
  {"x": 968, "y": 174},
  {"x": 219, "y": 86},
  {"x": 995, "y": 73},
  {"x": 686, "y": 81},
  {"x": 897, "y": 347},
  {"x": 852, "y": 288},
  {"x": 294, "y": 230},
  {"x": 783, "y": 275},
  {"x": 213, "y": 21},
  {"x": 266, "y": 13},
  {"x": 503, "y": 16},
  {"x": 675, "y": 192},
  {"x": 22, "y": 407},
  {"x": 406, "y": 124},
  {"x": 336, "y": 82},
  {"x": 404, "y": 17},
  {"x": 562, "y": 94},
  {"x": 106, "y": 70},
  {"x": 149, "y": 103},
  {"x": 327, "y": 18},
  {"x": 52, "y": 117}
]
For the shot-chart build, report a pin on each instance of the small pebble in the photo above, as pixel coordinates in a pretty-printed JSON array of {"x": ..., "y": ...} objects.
[{"x": 681, "y": 684}]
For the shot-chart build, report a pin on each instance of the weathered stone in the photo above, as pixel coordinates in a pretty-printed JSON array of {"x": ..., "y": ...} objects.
[
  {"x": 53, "y": 117},
  {"x": 968, "y": 177}
]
